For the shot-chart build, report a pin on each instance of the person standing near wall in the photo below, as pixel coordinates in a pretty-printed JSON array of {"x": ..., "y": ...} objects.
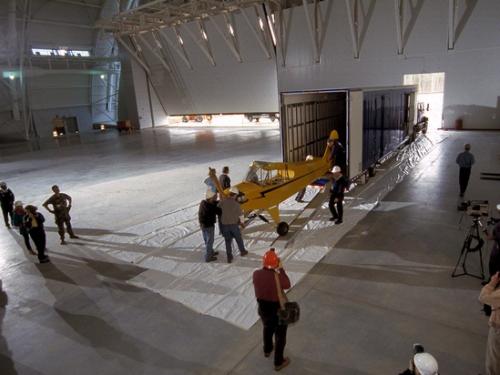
[
  {"x": 61, "y": 205},
  {"x": 266, "y": 292},
  {"x": 7, "y": 199},
  {"x": 339, "y": 186},
  {"x": 490, "y": 295},
  {"x": 337, "y": 155},
  {"x": 465, "y": 160},
  {"x": 33, "y": 222}
]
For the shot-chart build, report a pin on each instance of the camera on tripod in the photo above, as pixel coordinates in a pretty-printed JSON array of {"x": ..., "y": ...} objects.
[
  {"x": 473, "y": 242},
  {"x": 475, "y": 208}
]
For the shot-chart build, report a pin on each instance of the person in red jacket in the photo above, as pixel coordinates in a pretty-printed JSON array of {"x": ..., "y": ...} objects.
[{"x": 266, "y": 292}]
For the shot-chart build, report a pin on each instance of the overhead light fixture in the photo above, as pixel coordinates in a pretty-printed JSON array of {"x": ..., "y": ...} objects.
[
  {"x": 204, "y": 34},
  {"x": 102, "y": 76},
  {"x": 12, "y": 77},
  {"x": 180, "y": 40},
  {"x": 231, "y": 30},
  {"x": 261, "y": 24},
  {"x": 272, "y": 17}
]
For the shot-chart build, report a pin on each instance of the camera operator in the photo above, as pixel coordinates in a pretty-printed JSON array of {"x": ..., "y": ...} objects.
[
  {"x": 490, "y": 295},
  {"x": 494, "y": 262}
]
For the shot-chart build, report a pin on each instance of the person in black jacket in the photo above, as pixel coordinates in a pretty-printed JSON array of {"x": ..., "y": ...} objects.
[
  {"x": 7, "y": 202},
  {"x": 225, "y": 181},
  {"x": 339, "y": 186},
  {"x": 207, "y": 216},
  {"x": 18, "y": 221},
  {"x": 33, "y": 221}
]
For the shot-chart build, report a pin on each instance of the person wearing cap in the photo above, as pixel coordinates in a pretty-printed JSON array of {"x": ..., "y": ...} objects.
[
  {"x": 18, "y": 221},
  {"x": 465, "y": 160},
  {"x": 494, "y": 235},
  {"x": 224, "y": 179},
  {"x": 339, "y": 186},
  {"x": 490, "y": 295},
  {"x": 61, "y": 205},
  {"x": 207, "y": 216},
  {"x": 7, "y": 199},
  {"x": 421, "y": 363},
  {"x": 230, "y": 222},
  {"x": 33, "y": 222},
  {"x": 209, "y": 181},
  {"x": 266, "y": 293}
]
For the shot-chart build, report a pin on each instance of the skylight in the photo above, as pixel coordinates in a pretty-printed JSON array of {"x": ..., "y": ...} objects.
[{"x": 61, "y": 51}]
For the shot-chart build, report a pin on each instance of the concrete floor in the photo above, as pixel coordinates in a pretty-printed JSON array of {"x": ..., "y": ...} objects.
[{"x": 383, "y": 287}]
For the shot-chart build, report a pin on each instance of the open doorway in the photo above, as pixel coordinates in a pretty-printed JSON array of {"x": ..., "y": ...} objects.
[{"x": 430, "y": 92}]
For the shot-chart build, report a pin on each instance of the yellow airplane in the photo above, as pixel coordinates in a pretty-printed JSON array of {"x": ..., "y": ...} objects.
[{"x": 267, "y": 184}]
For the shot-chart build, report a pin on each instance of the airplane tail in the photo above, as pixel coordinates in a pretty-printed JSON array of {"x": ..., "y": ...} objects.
[{"x": 333, "y": 135}]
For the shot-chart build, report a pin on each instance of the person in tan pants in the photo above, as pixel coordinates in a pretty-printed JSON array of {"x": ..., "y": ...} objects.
[
  {"x": 61, "y": 205},
  {"x": 490, "y": 295}
]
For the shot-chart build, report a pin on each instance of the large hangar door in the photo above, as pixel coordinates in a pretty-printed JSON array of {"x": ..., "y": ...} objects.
[{"x": 307, "y": 119}]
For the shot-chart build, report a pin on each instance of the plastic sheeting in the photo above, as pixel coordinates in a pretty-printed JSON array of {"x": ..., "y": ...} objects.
[{"x": 171, "y": 248}]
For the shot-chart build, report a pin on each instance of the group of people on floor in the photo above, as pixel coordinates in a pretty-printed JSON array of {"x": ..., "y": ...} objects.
[
  {"x": 227, "y": 211},
  {"x": 30, "y": 222}
]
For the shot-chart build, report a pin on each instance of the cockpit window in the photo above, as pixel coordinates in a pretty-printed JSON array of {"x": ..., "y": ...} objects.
[{"x": 262, "y": 176}]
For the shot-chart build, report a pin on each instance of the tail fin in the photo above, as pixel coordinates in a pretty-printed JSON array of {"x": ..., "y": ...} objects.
[{"x": 333, "y": 135}]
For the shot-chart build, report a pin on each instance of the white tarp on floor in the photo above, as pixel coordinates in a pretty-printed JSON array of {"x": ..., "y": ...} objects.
[{"x": 171, "y": 248}]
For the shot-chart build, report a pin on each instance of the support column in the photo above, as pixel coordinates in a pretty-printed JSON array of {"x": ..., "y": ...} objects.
[{"x": 13, "y": 49}]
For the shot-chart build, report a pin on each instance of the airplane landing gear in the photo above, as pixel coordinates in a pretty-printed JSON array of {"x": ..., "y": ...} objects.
[{"x": 282, "y": 228}]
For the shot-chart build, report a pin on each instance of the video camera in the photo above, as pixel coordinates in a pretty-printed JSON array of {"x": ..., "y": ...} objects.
[{"x": 475, "y": 208}]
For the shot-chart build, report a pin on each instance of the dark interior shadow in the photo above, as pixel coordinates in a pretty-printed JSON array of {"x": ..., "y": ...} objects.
[
  {"x": 92, "y": 329},
  {"x": 6, "y": 364},
  {"x": 469, "y": 8},
  {"x": 92, "y": 232},
  {"x": 367, "y": 16}
]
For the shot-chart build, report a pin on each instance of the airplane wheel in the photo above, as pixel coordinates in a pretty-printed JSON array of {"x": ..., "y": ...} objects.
[{"x": 282, "y": 228}]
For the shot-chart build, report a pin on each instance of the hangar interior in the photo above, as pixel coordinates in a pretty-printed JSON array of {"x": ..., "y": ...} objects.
[{"x": 125, "y": 104}]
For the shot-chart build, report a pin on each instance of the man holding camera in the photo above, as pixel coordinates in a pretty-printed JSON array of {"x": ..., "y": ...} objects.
[
  {"x": 465, "y": 160},
  {"x": 490, "y": 295}
]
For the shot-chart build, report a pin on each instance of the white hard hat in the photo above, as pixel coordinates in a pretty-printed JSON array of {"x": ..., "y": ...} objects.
[
  {"x": 209, "y": 194},
  {"x": 18, "y": 204},
  {"x": 234, "y": 190},
  {"x": 336, "y": 169},
  {"x": 309, "y": 157},
  {"x": 425, "y": 364}
]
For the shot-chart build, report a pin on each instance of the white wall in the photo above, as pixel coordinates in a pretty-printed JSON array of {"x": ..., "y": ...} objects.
[
  {"x": 472, "y": 84},
  {"x": 228, "y": 87}
]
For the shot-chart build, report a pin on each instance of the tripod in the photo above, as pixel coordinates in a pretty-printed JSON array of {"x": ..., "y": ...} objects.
[{"x": 472, "y": 235}]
